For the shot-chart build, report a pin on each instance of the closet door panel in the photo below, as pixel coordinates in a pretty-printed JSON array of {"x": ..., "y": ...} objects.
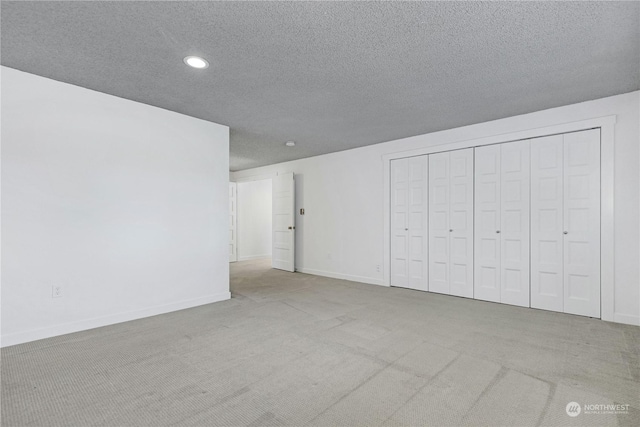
[
  {"x": 487, "y": 224},
  {"x": 582, "y": 223},
  {"x": 547, "y": 291},
  {"x": 399, "y": 222},
  {"x": 461, "y": 222},
  {"x": 514, "y": 223},
  {"x": 417, "y": 220},
  {"x": 439, "y": 193}
]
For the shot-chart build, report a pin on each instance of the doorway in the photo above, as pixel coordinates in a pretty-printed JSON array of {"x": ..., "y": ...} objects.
[{"x": 254, "y": 220}]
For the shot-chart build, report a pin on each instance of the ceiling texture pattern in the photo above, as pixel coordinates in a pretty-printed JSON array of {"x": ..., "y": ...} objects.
[{"x": 331, "y": 75}]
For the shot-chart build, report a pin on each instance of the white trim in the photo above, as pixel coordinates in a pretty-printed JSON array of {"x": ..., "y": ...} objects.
[
  {"x": 627, "y": 319},
  {"x": 360, "y": 279},
  {"x": 506, "y": 137},
  {"x": 607, "y": 137},
  {"x": 258, "y": 177},
  {"x": 97, "y": 322},
  {"x": 252, "y": 257},
  {"x": 234, "y": 257},
  {"x": 607, "y": 222}
]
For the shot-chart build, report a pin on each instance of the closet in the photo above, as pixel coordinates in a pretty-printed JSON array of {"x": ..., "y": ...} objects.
[
  {"x": 515, "y": 223},
  {"x": 501, "y": 264},
  {"x": 565, "y": 223},
  {"x": 451, "y": 222},
  {"x": 409, "y": 223}
]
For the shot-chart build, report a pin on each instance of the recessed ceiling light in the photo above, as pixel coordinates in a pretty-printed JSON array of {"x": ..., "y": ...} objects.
[
  {"x": 196, "y": 62},
  {"x": 290, "y": 143}
]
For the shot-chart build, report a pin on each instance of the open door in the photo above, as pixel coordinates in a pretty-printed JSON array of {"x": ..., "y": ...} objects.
[
  {"x": 283, "y": 250},
  {"x": 233, "y": 229}
]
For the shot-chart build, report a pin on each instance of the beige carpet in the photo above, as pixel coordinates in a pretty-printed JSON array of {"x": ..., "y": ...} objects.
[{"x": 293, "y": 349}]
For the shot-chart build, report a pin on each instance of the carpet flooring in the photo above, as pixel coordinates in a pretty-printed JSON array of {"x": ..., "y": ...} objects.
[{"x": 295, "y": 349}]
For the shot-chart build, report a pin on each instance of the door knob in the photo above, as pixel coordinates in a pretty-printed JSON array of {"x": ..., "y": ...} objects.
[
  {"x": 450, "y": 230},
  {"x": 498, "y": 231},
  {"x": 291, "y": 228},
  {"x": 406, "y": 229},
  {"x": 566, "y": 232}
]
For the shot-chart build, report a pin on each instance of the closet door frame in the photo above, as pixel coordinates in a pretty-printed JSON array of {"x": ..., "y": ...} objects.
[{"x": 466, "y": 139}]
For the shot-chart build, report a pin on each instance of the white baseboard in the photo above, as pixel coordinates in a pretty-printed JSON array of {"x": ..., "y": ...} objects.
[
  {"x": 360, "y": 279},
  {"x": 250, "y": 257},
  {"x": 627, "y": 319},
  {"x": 83, "y": 325}
]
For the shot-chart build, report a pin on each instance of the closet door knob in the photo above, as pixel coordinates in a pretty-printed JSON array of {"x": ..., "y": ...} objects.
[
  {"x": 450, "y": 230},
  {"x": 498, "y": 231},
  {"x": 406, "y": 229},
  {"x": 566, "y": 232}
]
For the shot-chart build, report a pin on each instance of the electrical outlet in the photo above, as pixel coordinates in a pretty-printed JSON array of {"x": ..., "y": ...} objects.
[
  {"x": 378, "y": 268},
  {"x": 56, "y": 291}
]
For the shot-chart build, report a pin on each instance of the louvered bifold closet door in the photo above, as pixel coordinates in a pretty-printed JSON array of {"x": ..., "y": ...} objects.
[
  {"x": 451, "y": 222},
  {"x": 409, "y": 223}
]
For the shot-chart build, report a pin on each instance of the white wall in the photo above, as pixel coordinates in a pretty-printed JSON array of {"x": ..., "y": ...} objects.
[
  {"x": 254, "y": 219},
  {"x": 342, "y": 231},
  {"x": 123, "y": 205}
]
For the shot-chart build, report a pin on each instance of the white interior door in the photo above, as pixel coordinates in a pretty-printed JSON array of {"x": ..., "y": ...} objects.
[
  {"x": 399, "y": 222},
  {"x": 582, "y": 223},
  {"x": 547, "y": 289},
  {"x": 514, "y": 223},
  {"x": 283, "y": 242},
  {"x": 417, "y": 220},
  {"x": 233, "y": 227},
  {"x": 487, "y": 269},
  {"x": 439, "y": 189},
  {"x": 409, "y": 227},
  {"x": 501, "y": 262},
  {"x": 461, "y": 222}
]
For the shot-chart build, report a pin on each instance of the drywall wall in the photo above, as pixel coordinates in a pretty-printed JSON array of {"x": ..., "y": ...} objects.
[
  {"x": 342, "y": 232},
  {"x": 254, "y": 219},
  {"x": 122, "y": 205}
]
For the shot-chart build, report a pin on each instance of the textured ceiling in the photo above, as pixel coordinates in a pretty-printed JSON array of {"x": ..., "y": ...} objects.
[{"x": 331, "y": 75}]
